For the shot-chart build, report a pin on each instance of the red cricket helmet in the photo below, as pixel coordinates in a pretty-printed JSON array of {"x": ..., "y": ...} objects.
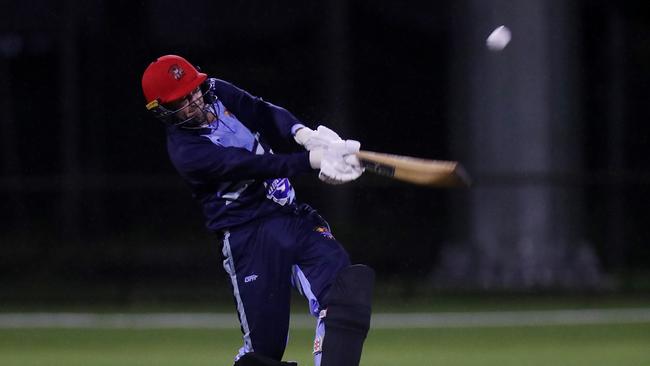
[{"x": 169, "y": 79}]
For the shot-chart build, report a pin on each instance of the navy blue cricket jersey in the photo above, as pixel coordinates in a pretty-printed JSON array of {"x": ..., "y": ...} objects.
[{"x": 228, "y": 165}]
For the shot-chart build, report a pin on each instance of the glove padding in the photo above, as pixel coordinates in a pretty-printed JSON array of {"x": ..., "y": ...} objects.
[
  {"x": 320, "y": 138},
  {"x": 339, "y": 163}
]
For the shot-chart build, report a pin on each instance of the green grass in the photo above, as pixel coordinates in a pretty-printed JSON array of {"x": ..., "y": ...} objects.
[
  {"x": 386, "y": 300},
  {"x": 593, "y": 345}
]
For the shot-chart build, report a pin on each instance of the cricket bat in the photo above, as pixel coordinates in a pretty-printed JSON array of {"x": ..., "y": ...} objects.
[{"x": 431, "y": 173}]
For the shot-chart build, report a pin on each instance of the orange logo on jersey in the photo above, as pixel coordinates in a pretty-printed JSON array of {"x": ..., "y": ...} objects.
[{"x": 324, "y": 231}]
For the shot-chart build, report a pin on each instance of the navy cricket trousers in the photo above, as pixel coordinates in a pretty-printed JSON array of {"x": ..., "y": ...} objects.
[{"x": 265, "y": 259}]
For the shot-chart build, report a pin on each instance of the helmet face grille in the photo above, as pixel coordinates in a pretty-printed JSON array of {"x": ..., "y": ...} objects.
[{"x": 171, "y": 117}]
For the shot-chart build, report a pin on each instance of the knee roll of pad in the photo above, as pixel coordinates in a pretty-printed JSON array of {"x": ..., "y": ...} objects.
[
  {"x": 348, "y": 316},
  {"x": 350, "y": 297}
]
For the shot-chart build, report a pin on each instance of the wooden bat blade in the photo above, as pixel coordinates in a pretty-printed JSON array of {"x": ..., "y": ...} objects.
[{"x": 432, "y": 173}]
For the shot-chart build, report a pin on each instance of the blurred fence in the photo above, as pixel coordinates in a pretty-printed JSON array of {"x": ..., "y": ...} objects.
[{"x": 90, "y": 202}]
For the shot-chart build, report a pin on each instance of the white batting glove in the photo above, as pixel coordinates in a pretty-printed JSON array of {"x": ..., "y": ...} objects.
[
  {"x": 319, "y": 138},
  {"x": 339, "y": 163}
]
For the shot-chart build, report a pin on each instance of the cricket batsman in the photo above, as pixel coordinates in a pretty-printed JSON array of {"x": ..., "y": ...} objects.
[{"x": 220, "y": 139}]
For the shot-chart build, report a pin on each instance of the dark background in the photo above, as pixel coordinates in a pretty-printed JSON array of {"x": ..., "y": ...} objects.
[{"x": 92, "y": 210}]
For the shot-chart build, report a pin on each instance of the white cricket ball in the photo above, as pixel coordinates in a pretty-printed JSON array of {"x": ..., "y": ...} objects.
[{"x": 498, "y": 39}]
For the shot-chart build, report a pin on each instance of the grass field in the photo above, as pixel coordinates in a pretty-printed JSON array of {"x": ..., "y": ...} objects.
[
  {"x": 617, "y": 343},
  {"x": 594, "y": 345}
]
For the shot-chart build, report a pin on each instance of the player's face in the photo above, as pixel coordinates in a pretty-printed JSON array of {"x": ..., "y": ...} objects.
[{"x": 192, "y": 107}]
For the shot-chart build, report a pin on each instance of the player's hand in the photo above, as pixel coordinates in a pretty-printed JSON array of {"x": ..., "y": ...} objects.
[
  {"x": 339, "y": 163},
  {"x": 320, "y": 138}
]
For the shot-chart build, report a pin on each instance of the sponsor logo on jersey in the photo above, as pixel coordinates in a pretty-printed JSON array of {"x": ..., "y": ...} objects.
[
  {"x": 280, "y": 191},
  {"x": 176, "y": 71},
  {"x": 324, "y": 231},
  {"x": 250, "y": 278}
]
